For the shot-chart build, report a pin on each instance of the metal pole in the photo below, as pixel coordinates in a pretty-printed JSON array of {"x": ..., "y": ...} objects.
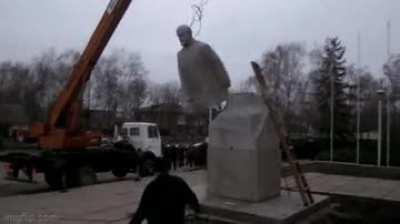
[
  {"x": 332, "y": 115},
  {"x": 388, "y": 38},
  {"x": 388, "y": 130},
  {"x": 388, "y": 119},
  {"x": 379, "y": 132},
  {"x": 210, "y": 115},
  {"x": 358, "y": 122},
  {"x": 358, "y": 102}
]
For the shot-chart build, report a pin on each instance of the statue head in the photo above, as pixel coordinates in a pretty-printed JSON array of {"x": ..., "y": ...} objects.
[{"x": 184, "y": 33}]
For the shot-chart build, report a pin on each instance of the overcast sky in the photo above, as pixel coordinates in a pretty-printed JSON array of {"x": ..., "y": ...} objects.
[{"x": 239, "y": 30}]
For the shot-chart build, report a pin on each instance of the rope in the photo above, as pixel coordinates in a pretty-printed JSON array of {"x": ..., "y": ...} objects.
[{"x": 198, "y": 14}]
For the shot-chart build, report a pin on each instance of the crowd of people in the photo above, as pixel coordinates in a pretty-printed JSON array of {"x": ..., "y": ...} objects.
[{"x": 185, "y": 155}]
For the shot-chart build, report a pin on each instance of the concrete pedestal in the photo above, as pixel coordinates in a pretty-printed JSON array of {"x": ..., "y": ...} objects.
[
  {"x": 243, "y": 157},
  {"x": 286, "y": 209}
]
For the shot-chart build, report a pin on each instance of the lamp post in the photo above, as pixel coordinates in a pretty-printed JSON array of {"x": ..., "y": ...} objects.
[
  {"x": 358, "y": 99},
  {"x": 332, "y": 118},
  {"x": 388, "y": 123},
  {"x": 388, "y": 99},
  {"x": 358, "y": 121},
  {"x": 380, "y": 93}
]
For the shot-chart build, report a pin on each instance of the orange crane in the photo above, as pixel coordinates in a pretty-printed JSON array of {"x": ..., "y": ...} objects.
[
  {"x": 62, "y": 129},
  {"x": 62, "y": 155}
]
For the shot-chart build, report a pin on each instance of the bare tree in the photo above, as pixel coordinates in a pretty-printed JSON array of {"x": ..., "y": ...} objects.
[
  {"x": 120, "y": 84},
  {"x": 14, "y": 78},
  {"x": 17, "y": 88},
  {"x": 50, "y": 72},
  {"x": 133, "y": 95},
  {"x": 166, "y": 93},
  {"x": 35, "y": 85},
  {"x": 283, "y": 68},
  {"x": 391, "y": 70},
  {"x": 248, "y": 86}
]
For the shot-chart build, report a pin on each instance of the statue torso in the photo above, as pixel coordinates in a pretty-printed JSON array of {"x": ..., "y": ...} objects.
[{"x": 200, "y": 72}]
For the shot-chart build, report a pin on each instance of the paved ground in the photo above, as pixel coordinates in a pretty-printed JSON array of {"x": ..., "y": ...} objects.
[
  {"x": 109, "y": 202},
  {"x": 114, "y": 199},
  {"x": 353, "y": 186}
]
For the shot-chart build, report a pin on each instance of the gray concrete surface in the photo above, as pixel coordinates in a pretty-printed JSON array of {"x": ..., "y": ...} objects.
[
  {"x": 347, "y": 169},
  {"x": 113, "y": 200},
  {"x": 243, "y": 158},
  {"x": 286, "y": 208},
  {"x": 364, "y": 187}
]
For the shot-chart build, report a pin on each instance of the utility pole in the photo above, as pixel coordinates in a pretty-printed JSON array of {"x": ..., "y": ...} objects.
[
  {"x": 332, "y": 113},
  {"x": 210, "y": 115},
  {"x": 378, "y": 162},
  {"x": 358, "y": 98},
  {"x": 388, "y": 93},
  {"x": 388, "y": 26},
  {"x": 380, "y": 94}
]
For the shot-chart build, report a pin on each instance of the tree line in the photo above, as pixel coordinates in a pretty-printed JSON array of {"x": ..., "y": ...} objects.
[
  {"x": 119, "y": 84},
  {"x": 306, "y": 83},
  {"x": 303, "y": 84}
]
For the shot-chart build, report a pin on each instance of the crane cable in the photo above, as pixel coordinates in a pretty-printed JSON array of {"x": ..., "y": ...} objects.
[{"x": 198, "y": 15}]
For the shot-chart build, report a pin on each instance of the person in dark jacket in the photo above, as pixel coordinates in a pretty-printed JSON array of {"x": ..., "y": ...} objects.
[{"x": 165, "y": 198}]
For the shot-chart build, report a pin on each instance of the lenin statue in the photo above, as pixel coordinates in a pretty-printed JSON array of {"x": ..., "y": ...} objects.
[{"x": 203, "y": 77}]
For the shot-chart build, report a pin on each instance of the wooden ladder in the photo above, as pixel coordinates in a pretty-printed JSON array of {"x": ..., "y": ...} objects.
[{"x": 280, "y": 128}]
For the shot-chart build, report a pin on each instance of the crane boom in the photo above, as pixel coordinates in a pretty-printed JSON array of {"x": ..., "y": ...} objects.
[
  {"x": 82, "y": 70},
  {"x": 62, "y": 128}
]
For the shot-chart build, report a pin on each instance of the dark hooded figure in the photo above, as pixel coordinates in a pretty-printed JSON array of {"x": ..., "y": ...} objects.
[
  {"x": 203, "y": 77},
  {"x": 165, "y": 198}
]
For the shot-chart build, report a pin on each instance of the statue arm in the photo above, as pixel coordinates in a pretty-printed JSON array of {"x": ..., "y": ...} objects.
[
  {"x": 182, "y": 76},
  {"x": 181, "y": 71},
  {"x": 218, "y": 66}
]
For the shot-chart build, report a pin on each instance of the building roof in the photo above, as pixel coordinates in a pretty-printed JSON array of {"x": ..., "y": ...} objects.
[
  {"x": 163, "y": 107},
  {"x": 139, "y": 123}
]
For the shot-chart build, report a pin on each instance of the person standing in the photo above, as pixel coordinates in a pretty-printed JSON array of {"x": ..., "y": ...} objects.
[{"x": 165, "y": 198}]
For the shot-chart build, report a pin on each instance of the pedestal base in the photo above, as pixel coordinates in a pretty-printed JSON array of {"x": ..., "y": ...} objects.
[
  {"x": 286, "y": 208},
  {"x": 243, "y": 157}
]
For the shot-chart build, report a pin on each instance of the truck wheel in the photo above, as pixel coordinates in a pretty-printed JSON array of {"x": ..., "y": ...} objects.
[
  {"x": 147, "y": 167},
  {"x": 86, "y": 176},
  {"x": 81, "y": 176},
  {"x": 119, "y": 172},
  {"x": 54, "y": 179},
  {"x": 15, "y": 172}
]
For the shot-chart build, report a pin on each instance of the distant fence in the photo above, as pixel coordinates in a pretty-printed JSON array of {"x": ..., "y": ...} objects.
[{"x": 319, "y": 149}]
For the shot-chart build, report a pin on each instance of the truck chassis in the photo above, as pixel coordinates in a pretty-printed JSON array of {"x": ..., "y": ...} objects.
[{"x": 72, "y": 168}]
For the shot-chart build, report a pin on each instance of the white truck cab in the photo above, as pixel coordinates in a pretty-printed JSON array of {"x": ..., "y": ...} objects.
[{"x": 142, "y": 135}]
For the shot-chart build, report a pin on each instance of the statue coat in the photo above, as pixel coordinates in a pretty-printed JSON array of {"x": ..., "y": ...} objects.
[{"x": 203, "y": 77}]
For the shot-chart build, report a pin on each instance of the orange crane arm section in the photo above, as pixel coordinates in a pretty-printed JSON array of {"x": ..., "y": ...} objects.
[{"x": 81, "y": 72}]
